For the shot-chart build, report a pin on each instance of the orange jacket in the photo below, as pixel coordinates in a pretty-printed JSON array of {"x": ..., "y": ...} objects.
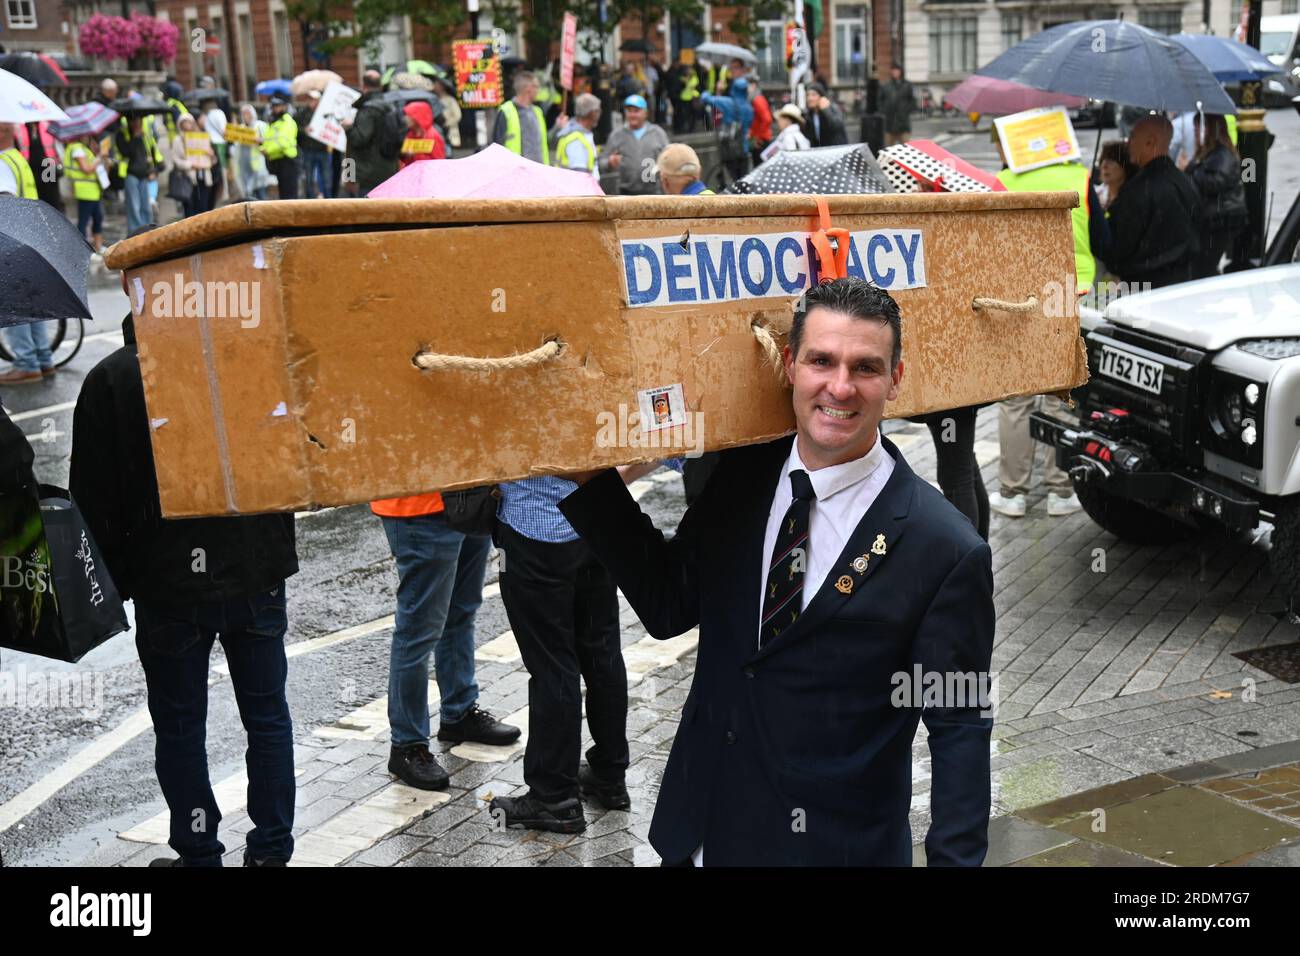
[{"x": 409, "y": 507}]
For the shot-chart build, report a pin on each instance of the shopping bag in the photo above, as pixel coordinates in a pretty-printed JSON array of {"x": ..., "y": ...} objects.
[{"x": 56, "y": 596}]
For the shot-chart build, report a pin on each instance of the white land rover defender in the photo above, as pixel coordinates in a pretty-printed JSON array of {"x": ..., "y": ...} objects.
[{"x": 1191, "y": 417}]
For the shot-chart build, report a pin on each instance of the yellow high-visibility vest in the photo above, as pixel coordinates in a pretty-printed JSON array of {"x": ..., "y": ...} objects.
[
  {"x": 1231, "y": 120},
  {"x": 22, "y": 170},
  {"x": 561, "y": 149},
  {"x": 1062, "y": 177},
  {"x": 514, "y": 137},
  {"x": 85, "y": 186}
]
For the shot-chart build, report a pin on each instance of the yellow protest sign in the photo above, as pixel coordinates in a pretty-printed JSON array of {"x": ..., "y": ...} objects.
[
  {"x": 417, "y": 146},
  {"x": 1039, "y": 137},
  {"x": 243, "y": 135},
  {"x": 198, "y": 144}
]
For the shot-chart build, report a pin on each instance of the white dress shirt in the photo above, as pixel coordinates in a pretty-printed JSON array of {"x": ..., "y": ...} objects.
[{"x": 844, "y": 493}]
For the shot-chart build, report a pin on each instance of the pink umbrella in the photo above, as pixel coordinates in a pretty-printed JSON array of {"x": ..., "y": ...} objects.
[
  {"x": 983, "y": 94},
  {"x": 494, "y": 173}
]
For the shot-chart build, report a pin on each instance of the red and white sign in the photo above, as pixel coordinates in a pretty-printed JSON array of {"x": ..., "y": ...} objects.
[{"x": 568, "y": 50}]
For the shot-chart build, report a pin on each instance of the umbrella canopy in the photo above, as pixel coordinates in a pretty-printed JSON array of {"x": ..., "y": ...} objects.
[
  {"x": 206, "y": 93},
  {"x": 828, "y": 170},
  {"x": 20, "y": 102},
  {"x": 43, "y": 264},
  {"x": 402, "y": 97},
  {"x": 1112, "y": 60},
  {"x": 982, "y": 94},
  {"x": 139, "y": 106},
  {"x": 637, "y": 46},
  {"x": 84, "y": 119},
  {"x": 420, "y": 67},
  {"x": 273, "y": 88},
  {"x": 304, "y": 83},
  {"x": 38, "y": 69},
  {"x": 1228, "y": 60},
  {"x": 495, "y": 172},
  {"x": 411, "y": 81},
  {"x": 726, "y": 51}
]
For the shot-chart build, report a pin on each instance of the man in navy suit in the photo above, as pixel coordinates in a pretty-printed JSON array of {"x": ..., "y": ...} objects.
[{"x": 839, "y": 600}]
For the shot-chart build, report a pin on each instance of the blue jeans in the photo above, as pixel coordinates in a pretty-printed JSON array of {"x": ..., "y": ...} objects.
[
  {"x": 137, "y": 203},
  {"x": 440, "y": 587},
  {"x": 30, "y": 345},
  {"x": 320, "y": 174},
  {"x": 174, "y": 646}
]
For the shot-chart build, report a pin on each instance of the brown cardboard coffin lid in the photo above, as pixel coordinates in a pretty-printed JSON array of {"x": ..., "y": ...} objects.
[{"x": 243, "y": 221}]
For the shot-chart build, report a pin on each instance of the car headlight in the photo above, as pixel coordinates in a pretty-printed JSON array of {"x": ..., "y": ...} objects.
[{"x": 1251, "y": 392}]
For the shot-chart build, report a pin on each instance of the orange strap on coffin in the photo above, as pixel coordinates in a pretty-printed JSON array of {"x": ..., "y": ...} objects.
[{"x": 831, "y": 246}]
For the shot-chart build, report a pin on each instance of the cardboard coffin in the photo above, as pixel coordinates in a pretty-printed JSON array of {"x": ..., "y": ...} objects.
[{"x": 308, "y": 353}]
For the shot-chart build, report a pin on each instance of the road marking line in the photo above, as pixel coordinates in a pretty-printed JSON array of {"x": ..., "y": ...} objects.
[
  {"x": 360, "y": 827},
  {"x": 230, "y": 794},
  {"x": 500, "y": 650},
  {"x": 649, "y": 654},
  {"x": 370, "y": 720},
  {"x": 37, "y": 412},
  {"x": 325, "y": 640},
  {"x": 58, "y": 778}
]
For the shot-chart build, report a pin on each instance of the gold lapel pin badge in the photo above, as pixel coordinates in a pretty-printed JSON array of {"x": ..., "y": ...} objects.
[
  {"x": 878, "y": 546},
  {"x": 845, "y": 584},
  {"x": 860, "y": 563}
]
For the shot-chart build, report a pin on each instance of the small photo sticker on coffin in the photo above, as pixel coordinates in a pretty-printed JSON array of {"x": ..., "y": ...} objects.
[{"x": 661, "y": 407}]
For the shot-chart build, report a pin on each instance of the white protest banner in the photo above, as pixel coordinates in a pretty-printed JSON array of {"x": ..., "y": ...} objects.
[{"x": 333, "y": 110}]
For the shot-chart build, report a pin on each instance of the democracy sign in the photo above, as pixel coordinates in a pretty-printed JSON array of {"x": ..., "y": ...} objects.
[{"x": 725, "y": 268}]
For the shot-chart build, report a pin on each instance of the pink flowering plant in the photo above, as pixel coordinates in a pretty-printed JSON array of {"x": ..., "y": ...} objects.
[
  {"x": 157, "y": 37},
  {"x": 109, "y": 38}
]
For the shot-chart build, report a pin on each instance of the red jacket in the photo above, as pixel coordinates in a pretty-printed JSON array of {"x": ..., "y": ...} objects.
[
  {"x": 760, "y": 131},
  {"x": 422, "y": 127}
]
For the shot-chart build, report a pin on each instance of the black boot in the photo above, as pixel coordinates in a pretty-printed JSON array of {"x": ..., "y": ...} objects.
[
  {"x": 532, "y": 814},
  {"x": 480, "y": 727},
  {"x": 610, "y": 794}
]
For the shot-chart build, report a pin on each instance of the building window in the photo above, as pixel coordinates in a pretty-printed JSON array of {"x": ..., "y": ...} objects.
[
  {"x": 22, "y": 14},
  {"x": 247, "y": 53},
  {"x": 850, "y": 43},
  {"x": 1162, "y": 21},
  {"x": 196, "y": 56},
  {"x": 221, "y": 62},
  {"x": 952, "y": 45},
  {"x": 771, "y": 55},
  {"x": 283, "y": 45},
  {"x": 1013, "y": 29},
  {"x": 1291, "y": 6}
]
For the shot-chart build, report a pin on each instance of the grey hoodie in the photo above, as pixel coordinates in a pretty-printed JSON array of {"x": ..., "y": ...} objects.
[{"x": 635, "y": 153}]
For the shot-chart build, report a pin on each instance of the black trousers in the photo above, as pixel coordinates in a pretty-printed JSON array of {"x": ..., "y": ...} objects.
[
  {"x": 285, "y": 171},
  {"x": 958, "y": 470},
  {"x": 563, "y": 608}
]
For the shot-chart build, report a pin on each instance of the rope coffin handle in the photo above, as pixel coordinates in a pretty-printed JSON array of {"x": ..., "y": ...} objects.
[
  {"x": 434, "y": 361},
  {"x": 766, "y": 338},
  {"x": 981, "y": 303}
]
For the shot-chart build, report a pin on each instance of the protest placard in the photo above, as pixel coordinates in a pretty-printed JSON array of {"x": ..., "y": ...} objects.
[
  {"x": 1039, "y": 137},
  {"x": 478, "y": 74},
  {"x": 334, "y": 109}
]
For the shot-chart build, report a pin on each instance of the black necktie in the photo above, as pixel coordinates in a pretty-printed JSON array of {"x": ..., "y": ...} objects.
[{"x": 783, "y": 597}]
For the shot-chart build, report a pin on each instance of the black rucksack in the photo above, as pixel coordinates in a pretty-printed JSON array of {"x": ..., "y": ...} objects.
[{"x": 391, "y": 133}]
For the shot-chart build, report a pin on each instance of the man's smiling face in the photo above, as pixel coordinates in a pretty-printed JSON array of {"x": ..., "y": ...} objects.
[{"x": 842, "y": 380}]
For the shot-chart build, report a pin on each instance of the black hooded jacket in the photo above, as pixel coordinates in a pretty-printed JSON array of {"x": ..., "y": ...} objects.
[{"x": 168, "y": 562}]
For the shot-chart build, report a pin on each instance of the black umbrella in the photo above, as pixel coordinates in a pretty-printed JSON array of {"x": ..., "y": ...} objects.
[
  {"x": 828, "y": 170},
  {"x": 38, "y": 69},
  {"x": 637, "y": 46},
  {"x": 139, "y": 106},
  {"x": 206, "y": 93},
  {"x": 43, "y": 264},
  {"x": 402, "y": 97}
]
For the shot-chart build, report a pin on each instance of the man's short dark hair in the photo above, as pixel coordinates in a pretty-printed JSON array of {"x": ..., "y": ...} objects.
[
  {"x": 855, "y": 297},
  {"x": 371, "y": 80}
]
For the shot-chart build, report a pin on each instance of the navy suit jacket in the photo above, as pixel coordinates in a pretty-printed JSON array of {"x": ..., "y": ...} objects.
[{"x": 801, "y": 752}]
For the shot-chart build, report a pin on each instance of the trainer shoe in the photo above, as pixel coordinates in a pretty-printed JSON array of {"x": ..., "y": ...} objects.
[
  {"x": 1060, "y": 505},
  {"x": 1013, "y": 507},
  {"x": 532, "y": 814},
  {"x": 480, "y": 727},
  {"x": 167, "y": 861},
  {"x": 416, "y": 767},
  {"x": 16, "y": 376},
  {"x": 610, "y": 794}
]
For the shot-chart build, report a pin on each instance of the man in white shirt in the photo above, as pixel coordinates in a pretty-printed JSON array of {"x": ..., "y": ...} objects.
[{"x": 840, "y": 599}]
